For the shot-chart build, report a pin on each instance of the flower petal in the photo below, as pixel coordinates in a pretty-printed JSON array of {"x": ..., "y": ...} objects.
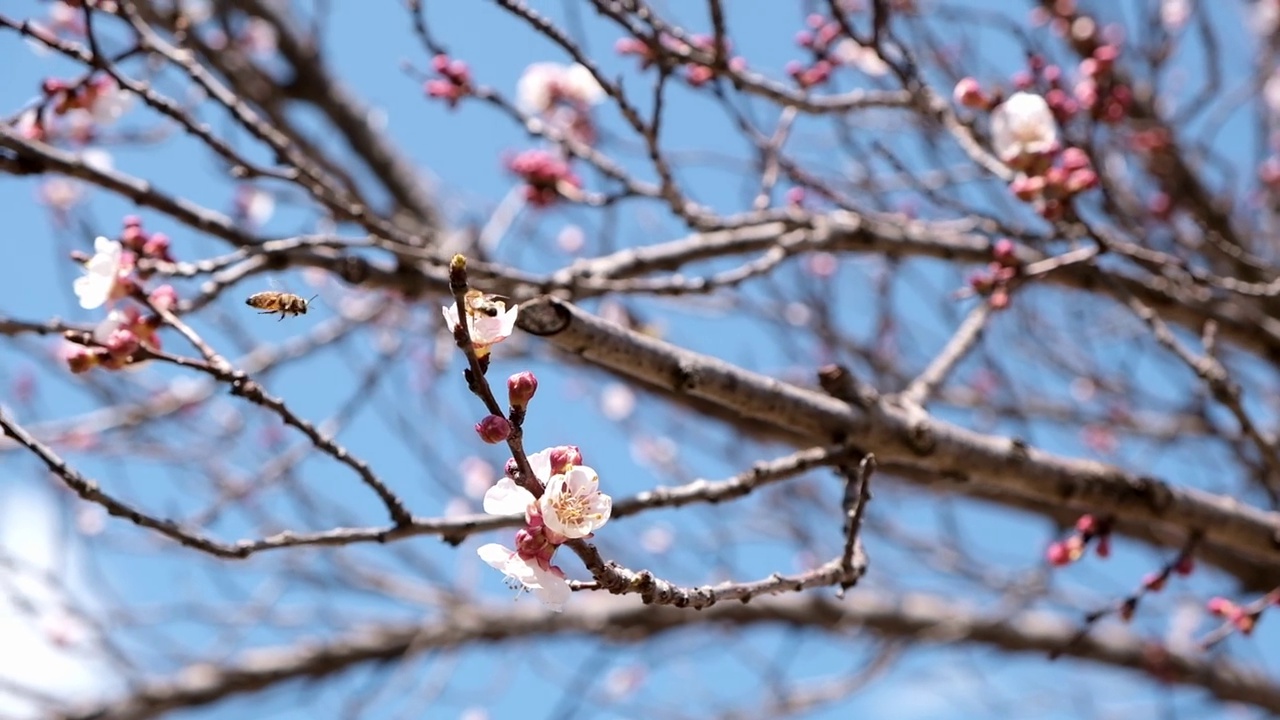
[
  {"x": 551, "y": 589},
  {"x": 507, "y": 498},
  {"x": 540, "y": 462}
]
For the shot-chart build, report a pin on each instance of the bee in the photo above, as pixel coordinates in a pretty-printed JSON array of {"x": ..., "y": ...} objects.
[
  {"x": 275, "y": 301},
  {"x": 481, "y": 303}
]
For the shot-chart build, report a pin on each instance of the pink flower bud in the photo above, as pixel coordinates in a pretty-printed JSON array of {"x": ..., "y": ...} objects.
[
  {"x": 1106, "y": 55},
  {"x": 1000, "y": 298},
  {"x": 1081, "y": 180},
  {"x": 1073, "y": 159},
  {"x": 1058, "y": 555},
  {"x": 1004, "y": 252},
  {"x": 157, "y": 246},
  {"x": 969, "y": 93},
  {"x": 1087, "y": 524},
  {"x": 564, "y": 458},
  {"x": 1027, "y": 187},
  {"x": 1220, "y": 607},
  {"x": 1154, "y": 582},
  {"x": 164, "y": 297},
  {"x": 440, "y": 63},
  {"x": 121, "y": 342},
  {"x": 493, "y": 429},
  {"x": 795, "y": 196},
  {"x": 520, "y": 388}
]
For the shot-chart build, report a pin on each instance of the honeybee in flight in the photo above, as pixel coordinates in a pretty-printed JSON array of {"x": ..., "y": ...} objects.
[
  {"x": 271, "y": 302},
  {"x": 481, "y": 303}
]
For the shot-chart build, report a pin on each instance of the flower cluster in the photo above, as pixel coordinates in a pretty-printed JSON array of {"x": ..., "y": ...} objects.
[
  {"x": 995, "y": 280},
  {"x": 454, "y": 82},
  {"x": 1088, "y": 529},
  {"x": 562, "y": 95},
  {"x": 547, "y": 177},
  {"x": 824, "y": 39},
  {"x": 1024, "y": 134},
  {"x": 1244, "y": 618},
  {"x": 112, "y": 274},
  {"x": 100, "y": 96},
  {"x": 696, "y": 74},
  {"x": 571, "y": 507}
]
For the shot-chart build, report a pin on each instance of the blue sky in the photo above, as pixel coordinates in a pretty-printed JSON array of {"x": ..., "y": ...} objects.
[{"x": 420, "y": 453}]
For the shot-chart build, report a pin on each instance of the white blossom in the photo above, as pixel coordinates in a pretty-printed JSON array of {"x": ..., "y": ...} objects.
[
  {"x": 485, "y": 330},
  {"x": 546, "y": 585},
  {"x": 1023, "y": 125},
  {"x": 573, "y": 505},
  {"x": 544, "y": 83},
  {"x": 101, "y": 273}
]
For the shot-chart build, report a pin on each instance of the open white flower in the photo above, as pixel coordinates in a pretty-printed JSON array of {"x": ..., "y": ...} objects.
[
  {"x": 542, "y": 84},
  {"x": 485, "y": 330},
  {"x": 573, "y": 505},
  {"x": 866, "y": 59},
  {"x": 1023, "y": 125},
  {"x": 546, "y": 585},
  {"x": 101, "y": 274}
]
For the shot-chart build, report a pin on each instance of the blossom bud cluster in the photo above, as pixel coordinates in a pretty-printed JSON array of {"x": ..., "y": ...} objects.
[
  {"x": 1024, "y": 134},
  {"x": 100, "y": 96},
  {"x": 113, "y": 274},
  {"x": 696, "y": 74},
  {"x": 994, "y": 282},
  {"x": 454, "y": 82},
  {"x": 1089, "y": 528},
  {"x": 831, "y": 49},
  {"x": 570, "y": 507},
  {"x": 1243, "y": 618},
  {"x": 547, "y": 177}
]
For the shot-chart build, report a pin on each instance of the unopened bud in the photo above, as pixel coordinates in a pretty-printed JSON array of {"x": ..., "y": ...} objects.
[
  {"x": 1005, "y": 252},
  {"x": 564, "y": 458},
  {"x": 493, "y": 429},
  {"x": 520, "y": 388},
  {"x": 1058, "y": 554},
  {"x": 969, "y": 93},
  {"x": 164, "y": 297},
  {"x": 1087, "y": 524},
  {"x": 1220, "y": 606}
]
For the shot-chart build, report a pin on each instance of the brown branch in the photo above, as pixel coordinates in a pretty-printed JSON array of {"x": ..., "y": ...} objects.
[
  {"x": 1003, "y": 469},
  {"x": 913, "y": 617}
]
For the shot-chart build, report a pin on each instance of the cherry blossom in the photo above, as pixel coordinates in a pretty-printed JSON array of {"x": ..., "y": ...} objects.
[
  {"x": 1023, "y": 126},
  {"x": 548, "y": 585},
  {"x": 866, "y": 59},
  {"x": 102, "y": 274},
  {"x": 573, "y": 505},
  {"x": 106, "y": 101},
  {"x": 485, "y": 330},
  {"x": 545, "y": 84}
]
